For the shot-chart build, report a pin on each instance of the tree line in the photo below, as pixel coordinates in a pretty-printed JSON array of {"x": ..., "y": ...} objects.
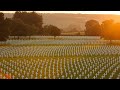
[
  {"x": 25, "y": 24},
  {"x": 108, "y": 29},
  {"x": 31, "y": 24}
]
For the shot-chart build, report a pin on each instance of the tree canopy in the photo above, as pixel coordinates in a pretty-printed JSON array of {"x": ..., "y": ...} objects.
[
  {"x": 32, "y": 19},
  {"x": 92, "y": 28},
  {"x": 4, "y": 28},
  {"x": 31, "y": 23},
  {"x": 110, "y": 30},
  {"x": 51, "y": 30}
]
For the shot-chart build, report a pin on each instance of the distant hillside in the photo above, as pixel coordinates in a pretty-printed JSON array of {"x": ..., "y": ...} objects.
[
  {"x": 65, "y": 21},
  {"x": 73, "y": 28}
]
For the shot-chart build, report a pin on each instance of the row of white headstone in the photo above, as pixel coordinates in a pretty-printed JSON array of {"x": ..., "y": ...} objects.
[
  {"x": 36, "y": 51},
  {"x": 61, "y": 68},
  {"x": 60, "y": 37},
  {"x": 51, "y": 41}
]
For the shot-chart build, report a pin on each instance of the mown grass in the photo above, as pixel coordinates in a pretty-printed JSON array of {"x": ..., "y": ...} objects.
[{"x": 71, "y": 69}]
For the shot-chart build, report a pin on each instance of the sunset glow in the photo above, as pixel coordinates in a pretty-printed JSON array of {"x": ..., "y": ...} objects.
[
  {"x": 59, "y": 44},
  {"x": 75, "y": 12}
]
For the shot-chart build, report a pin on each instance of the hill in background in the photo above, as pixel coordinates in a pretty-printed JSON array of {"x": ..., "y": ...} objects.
[{"x": 70, "y": 22}]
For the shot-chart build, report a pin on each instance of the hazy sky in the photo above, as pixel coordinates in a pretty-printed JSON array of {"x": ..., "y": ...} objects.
[{"x": 82, "y": 12}]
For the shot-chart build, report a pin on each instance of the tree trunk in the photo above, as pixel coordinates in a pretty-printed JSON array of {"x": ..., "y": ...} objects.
[
  {"x": 29, "y": 37},
  {"x": 110, "y": 40},
  {"x": 18, "y": 37},
  {"x": 54, "y": 37}
]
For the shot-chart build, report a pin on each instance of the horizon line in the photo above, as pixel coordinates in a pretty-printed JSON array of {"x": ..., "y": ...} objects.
[{"x": 73, "y": 12}]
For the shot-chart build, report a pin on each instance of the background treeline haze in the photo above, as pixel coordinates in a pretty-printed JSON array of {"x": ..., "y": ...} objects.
[{"x": 31, "y": 24}]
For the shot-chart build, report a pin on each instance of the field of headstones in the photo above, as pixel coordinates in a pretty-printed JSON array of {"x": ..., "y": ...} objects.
[{"x": 70, "y": 57}]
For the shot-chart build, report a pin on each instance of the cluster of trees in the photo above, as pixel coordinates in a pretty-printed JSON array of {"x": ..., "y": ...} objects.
[
  {"x": 25, "y": 24},
  {"x": 29, "y": 24},
  {"x": 108, "y": 29},
  {"x": 30, "y": 20}
]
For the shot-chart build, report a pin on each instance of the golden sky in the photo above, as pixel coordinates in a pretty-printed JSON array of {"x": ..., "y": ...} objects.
[{"x": 74, "y": 12}]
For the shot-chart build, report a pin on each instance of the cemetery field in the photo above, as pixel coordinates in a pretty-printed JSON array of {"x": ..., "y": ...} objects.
[{"x": 71, "y": 58}]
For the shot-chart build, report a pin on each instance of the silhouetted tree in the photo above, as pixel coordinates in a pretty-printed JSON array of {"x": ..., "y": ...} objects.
[
  {"x": 1, "y": 17},
  {"x": 51, "y": 30},
  {"x": 31, "y": 18},
  {"x": 107, "y": 29},
  {"x": 19, "y": 28},
  {"x": 116, "y": 31},
  {"x": 31, "y": 30},
  {"x": 4, "y": 28},
  {"x": 92, "y": 28},
  {"x": 110, "y": 30}
]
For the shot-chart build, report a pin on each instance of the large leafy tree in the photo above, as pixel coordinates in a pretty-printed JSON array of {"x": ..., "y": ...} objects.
[
  {"x": 1, "y": 17},
  {"x": 19, "y": 28},
  {"x": 51, "y": 30},
  {"x": 92, "y": 28},
  {"x": 110, "y": 30},
  {"x": 31, "y": 18},
  {"x": 116, "y": 31},
  {"x": 31, "y": 30},
  {"x": 4, "y": 28},
  {"x": 107, "y": 29}
]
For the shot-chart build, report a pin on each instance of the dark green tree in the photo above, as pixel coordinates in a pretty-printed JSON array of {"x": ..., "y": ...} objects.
[
  {"x": 51, "y": 30},
  {"x": 1, "y": 17},
  {"x": 31, "y": 18},
  {"x": 31, "y": 30},
  {"x": 93, "y": 28},
  {"x": 4, "y": 28},
  {"x": 19, "y": 28}
]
